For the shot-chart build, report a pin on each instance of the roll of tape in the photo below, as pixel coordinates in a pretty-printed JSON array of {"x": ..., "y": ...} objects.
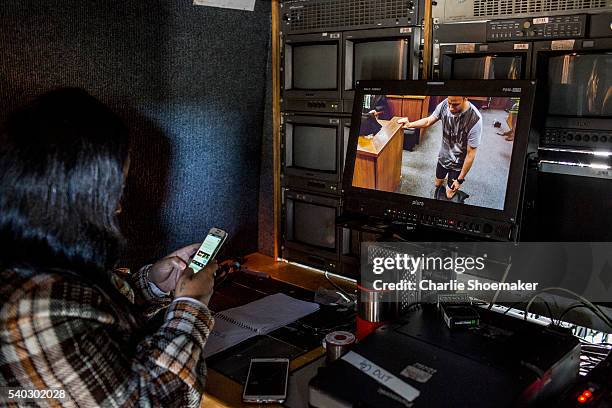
[{"x": 337, "y": 344}]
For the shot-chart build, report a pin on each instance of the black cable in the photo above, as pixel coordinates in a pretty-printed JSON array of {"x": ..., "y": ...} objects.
[
  {"x": 550, "y": 313},
  {"x": 595, "y": 312},
  {"x": 566, "y": 311},
  {"x": 338, "y": 288},
  {"x": 512, "y": 306}
]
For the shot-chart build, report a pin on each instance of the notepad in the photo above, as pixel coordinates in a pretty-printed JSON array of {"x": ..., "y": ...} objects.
[{"x": 262, "y": 316}]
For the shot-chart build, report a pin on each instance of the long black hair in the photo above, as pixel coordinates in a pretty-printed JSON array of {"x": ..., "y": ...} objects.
[{"x": 62, "y": 163}]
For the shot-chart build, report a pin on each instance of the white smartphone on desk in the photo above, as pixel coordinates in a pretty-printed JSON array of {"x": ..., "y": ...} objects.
[
  {"x": 266, "y": 381},
  {"x": 208, "y": 250}
]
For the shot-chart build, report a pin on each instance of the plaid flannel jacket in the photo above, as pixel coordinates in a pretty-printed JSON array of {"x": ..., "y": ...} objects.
[{"x": 56, "y": 332}]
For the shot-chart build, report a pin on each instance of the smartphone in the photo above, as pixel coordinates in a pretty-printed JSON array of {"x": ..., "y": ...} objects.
[
  {"x": 208, "y": 250},
  {"x": 267, "y": 380}
]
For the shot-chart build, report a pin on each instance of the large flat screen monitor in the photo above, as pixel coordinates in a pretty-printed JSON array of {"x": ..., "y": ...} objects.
[{"x": 468, "y": 162}]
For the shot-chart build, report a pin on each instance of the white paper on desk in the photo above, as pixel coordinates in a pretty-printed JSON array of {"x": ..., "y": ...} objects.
[
  {"x": 225, "y": 335},
  {"x": 262, "y": 316},
  {"x": 232, "y": 4}
]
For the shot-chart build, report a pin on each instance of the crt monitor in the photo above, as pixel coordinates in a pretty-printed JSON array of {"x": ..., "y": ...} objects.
[
  {"x": 576, "y": 94},
  {"x": 468, "y": 162},
  {"x": 379, "y": 54},
  {"x": 487, "y": 67},
  {"x": 309, "y": 221},
  {"x": 580, "y": 84},
  {"x": 313, "y": 151},
  {"x": 312, "y": 66},
  {"x": 315, "y": 66},
  {"x": 502, "y": 60},
  {"x": 314, "y": 148}
]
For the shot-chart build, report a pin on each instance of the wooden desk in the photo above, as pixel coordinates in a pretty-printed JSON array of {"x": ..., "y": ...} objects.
[
  {"x": 222, "y": 391},
  {"x": 378, "y": 164}
]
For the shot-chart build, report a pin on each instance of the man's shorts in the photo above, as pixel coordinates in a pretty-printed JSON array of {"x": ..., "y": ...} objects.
[{"x": 442, "y": 172}]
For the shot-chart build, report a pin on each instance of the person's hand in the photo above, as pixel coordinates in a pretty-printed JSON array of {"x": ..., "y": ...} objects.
[
  {"x": 372, "y": 112},
  {"x": 450, "y": 193},
  {"x": 165, "y": 272},
  {"x": 199, "y": 285},
  {"x": 455, "y": 186},
  {"x": 405, "y": 123}
]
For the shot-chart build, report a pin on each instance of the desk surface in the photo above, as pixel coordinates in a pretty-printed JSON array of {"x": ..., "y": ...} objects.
[{"x": 222, "y": 391}]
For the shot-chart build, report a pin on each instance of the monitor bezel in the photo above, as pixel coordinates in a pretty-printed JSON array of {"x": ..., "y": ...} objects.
[
  {"x": 542, "y": 52},
  {"x": 314, "y": 121},
  {"x": 524, "y": 89},
  {"x": 349, "y": 38},
  {"x": 287, "y": 75},
  {"x": 450, "y": 52},
  {"x": 288, "y": 221}
]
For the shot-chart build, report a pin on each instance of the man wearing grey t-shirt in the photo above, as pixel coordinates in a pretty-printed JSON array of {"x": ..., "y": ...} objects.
[{"x": 461, "y": 135}]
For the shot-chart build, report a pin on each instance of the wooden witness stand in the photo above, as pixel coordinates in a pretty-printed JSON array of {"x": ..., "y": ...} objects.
[{"x": 378, "y": 164}]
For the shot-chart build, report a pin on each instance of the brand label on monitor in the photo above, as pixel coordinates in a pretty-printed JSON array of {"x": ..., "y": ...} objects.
[
  {"x": 562, "y": 45},
  {"x": 465, "y": 48},
  {"x": 541, "y": 20},
  {"x": 521, "y": 46},
  {"x": 405, "y": 30}
]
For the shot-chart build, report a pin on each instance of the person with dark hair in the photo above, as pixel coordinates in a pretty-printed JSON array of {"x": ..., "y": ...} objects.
[
  {"x": 375, "y": 108},
  {"x": 461, "y": 137},
  {"x": 68, "y": 321}
]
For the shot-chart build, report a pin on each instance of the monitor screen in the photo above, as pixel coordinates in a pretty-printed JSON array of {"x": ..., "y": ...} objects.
[
  {"x": 315, "y": 66},
  {"x": 487, "y": 67},
  {"x": 385, "y": 59},
  {"x": 314, "y": 224},
  {"x": 314, "y": 147},
  {"x": 580, "y": 85},
  {"x": 463, "y": 154}
]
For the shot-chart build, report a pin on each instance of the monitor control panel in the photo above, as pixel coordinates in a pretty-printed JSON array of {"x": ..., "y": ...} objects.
[
  {"x": 461, "y": 224},
  {"x": 303, "y": 183},
  {"x": 537, "y": 28},
  {"x": 590, "y": 138},
  {"x": 311, "y": 105}
]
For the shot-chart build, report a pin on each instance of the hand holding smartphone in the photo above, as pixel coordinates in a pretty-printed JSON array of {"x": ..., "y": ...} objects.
[
  {"x": 208, "y": 250},
  {"x": 200, "y": 287}
]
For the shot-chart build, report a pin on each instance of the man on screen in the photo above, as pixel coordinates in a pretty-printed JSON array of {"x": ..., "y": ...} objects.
[{"x": 461, "y": 134}]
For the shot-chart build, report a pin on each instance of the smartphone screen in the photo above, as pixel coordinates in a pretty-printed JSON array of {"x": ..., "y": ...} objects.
[
  {"x": 206, "y": 252},
  {"x": 267, "y": 379}
]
